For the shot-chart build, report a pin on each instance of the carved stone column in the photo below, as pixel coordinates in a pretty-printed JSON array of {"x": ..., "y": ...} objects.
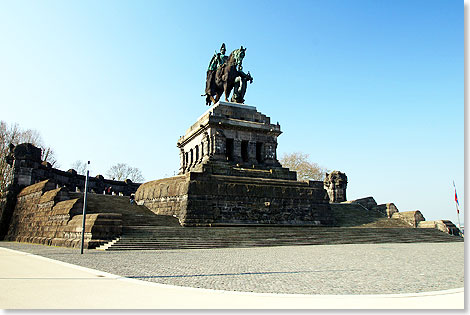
[
  {"x": 252, "y": 152},
  {"x": 269, "y": 153},
  {"x": 205, "y": 148},
  {"x": 182, "y": 162},
  {"x": 219, "y": 146},
  {"x": 237, "y": 150}
]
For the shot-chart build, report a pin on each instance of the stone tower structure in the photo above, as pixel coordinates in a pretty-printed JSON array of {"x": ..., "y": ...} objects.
[{"x": 229, "y": 174}]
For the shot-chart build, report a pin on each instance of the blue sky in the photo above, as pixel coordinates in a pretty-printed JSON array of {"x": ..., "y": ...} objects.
[{"x": 371, "y": 88}]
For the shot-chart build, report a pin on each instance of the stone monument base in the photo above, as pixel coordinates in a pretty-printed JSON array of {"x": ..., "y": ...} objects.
[
  {"x": 229, "y": 174},
  {"x": 201, "y": 199}
]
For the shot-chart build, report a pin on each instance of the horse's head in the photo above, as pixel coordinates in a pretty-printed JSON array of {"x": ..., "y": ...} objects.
[{"x": 238, "y": 56}]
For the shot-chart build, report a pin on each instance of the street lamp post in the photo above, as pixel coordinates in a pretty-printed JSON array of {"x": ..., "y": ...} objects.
[{"x": 84, "y": 207}]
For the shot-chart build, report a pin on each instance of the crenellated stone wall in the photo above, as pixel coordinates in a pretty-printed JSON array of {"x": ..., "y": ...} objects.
[{"x": 47, "y": 215}]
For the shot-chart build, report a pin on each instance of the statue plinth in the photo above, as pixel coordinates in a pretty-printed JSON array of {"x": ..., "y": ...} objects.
[{"x": 235, "y": 136}]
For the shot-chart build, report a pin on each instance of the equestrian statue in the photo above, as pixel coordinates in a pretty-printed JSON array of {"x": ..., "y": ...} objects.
[{"x": 226, "y": 73}]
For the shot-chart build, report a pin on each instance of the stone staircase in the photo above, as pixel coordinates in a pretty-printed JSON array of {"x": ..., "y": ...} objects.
[
  {"x": 158, "y": 238},
  {"x": 144, "y": 230}
]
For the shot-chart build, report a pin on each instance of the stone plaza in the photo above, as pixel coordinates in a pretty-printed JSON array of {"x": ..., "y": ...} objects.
[{"x": 357, "y": 269}]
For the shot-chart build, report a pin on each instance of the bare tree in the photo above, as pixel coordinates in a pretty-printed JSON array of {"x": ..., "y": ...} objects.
[
  {"x": 80, "y": 167},
  {"x": 15, "y": 135},
  {"x": 306, "y": 170},
  {"x": 7, "y": 135},
  {"x": 122, "y": 171}
]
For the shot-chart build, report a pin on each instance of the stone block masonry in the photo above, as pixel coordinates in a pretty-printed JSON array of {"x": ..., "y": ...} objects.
[
  {"x": 200, "y": 199},
  {"x": 47, "y": 215},
  {"x": 445, "y": 226},
  {"x": 165, "y": 196},
  {"x": 411, "y": 217}
]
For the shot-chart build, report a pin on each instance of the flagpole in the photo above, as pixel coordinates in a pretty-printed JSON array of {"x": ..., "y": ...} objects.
[
  {"x": 457, "y": 207},
  {"x": 458, "y": 216}
]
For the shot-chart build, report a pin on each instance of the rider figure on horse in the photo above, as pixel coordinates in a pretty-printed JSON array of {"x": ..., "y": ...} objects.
[
  {"x": 217, "y": 61},
  {"x": 224, "y": 74}
]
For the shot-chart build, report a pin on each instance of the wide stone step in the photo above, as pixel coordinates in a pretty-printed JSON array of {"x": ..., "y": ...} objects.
[
  {"x": 177, "y": 239},
  {"x": 275, "y": 235},
  {"x": 159, "y": 238},
  {"x": 297, "y": 241}
]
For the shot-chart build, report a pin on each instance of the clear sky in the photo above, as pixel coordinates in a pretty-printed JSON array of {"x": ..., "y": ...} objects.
[{"x": 374, "y": 89}]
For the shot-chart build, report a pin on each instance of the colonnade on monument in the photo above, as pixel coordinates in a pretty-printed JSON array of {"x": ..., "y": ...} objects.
[{"x": 233, "y": 134}]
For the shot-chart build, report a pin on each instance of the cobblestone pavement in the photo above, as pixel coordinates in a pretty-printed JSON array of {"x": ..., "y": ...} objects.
[{"x": 320, "y": 269}]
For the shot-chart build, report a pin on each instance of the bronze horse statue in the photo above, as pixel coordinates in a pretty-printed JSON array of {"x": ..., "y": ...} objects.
[{"x": 224, "y": 79}]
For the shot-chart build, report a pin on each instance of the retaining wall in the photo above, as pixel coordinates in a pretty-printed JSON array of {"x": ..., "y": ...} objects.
[
  {"x": 202, "y": 199},
  {"x": 47, "y": 215}
]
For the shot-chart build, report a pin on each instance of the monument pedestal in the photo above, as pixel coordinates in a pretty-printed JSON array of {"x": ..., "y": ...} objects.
[{"x": 229, "y": 174}]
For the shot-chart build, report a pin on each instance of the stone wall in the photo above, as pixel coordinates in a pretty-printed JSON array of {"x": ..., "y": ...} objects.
[
  {"x": 411, "y": 217},
  {"x": 165, "y": 196},
  {"x": 47, "y": 215},
  {"x": 367, "y": 202},
  {"x": 445, "y": 226},
  {"x": 199, "y": 199},
  {"x": 242, "y": 201},
  {"x": 387, "y": 208},
  {"x": 7, "y": 206}
]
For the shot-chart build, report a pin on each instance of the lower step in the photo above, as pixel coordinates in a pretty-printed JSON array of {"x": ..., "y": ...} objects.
[{"x": 157, "y": 238}]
